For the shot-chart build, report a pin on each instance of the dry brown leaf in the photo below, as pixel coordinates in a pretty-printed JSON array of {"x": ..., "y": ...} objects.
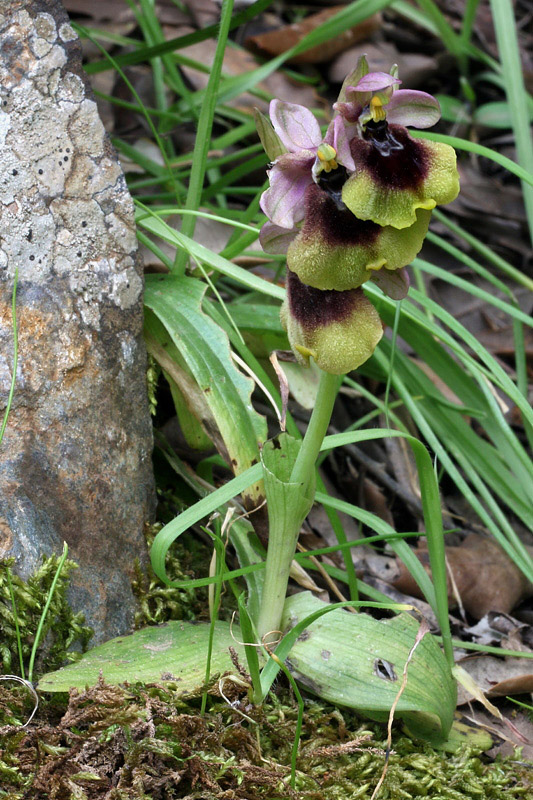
[
  {"x": 203, "y": 12},
  {"x": 437, "y": 381},
  {"x": 119, "y": 11},
  {"x": 98, "y": 10},
  {"x": 485, "y": 196},
  {"x": 486, "y": 578},
  {"x": 498, "y": 677},
  {"x": 376, "y": 502},
  {"x": 278, "y": 41},
  {"x": 507, "y": 745},
  {"x": 414, "y": 68},
  {"x": 496, "y": 628},
  {"x": 238, "y": 62}
]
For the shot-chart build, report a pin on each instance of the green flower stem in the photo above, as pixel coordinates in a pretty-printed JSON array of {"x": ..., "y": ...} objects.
[
  {"x": 282, "y": 543},
  {"x": 317, "y": 428}
]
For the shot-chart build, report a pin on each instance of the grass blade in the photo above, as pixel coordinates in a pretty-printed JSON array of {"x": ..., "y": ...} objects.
[{"x": 507, "y": 40}]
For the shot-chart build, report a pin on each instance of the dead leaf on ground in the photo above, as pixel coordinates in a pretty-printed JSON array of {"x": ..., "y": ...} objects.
[
  {"x": 278, "y": 41},
  {"x": 438, "y": 383},
  {"x": 203, "y": 12},
  {"x": 496, "y": 628},
  {"x": 238, "y": 62},
  {"x": 507, "y": 744},
  {"x": 485, "y": 577},
  {"x": 100, "y": 10},
  {"x": 119, "y": 11},
  {"x": 403, "y": 464},
  {"x": 498, "y": 677},
  {"x": 414, "y": 69},
  {"x": 486, "y": 196}
]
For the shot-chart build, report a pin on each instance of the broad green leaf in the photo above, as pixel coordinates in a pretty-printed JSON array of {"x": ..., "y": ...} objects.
[
  {"x": 357, "y": 661},
  {"x": 466, "y": 734},
  {"x": 278, "y": 457},
  {"x": 204, "y": 348},
  {"x": 241, "y": 533},
  {"x": 303, "y": 382},
  {"x": 174, "y": 652},
  {"x": 249, "y": 552},
  {"x": 206, "y": 256},
  {"x": 452, "y": 109},
  {"x": 260, "y": 327},
  {"x": 173, "y": 530}
]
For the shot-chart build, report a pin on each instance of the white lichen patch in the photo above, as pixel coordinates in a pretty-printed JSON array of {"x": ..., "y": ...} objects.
[
  {"x": 67, "y": 33},
  {"x": 87, "y": 131},
  {"x": 64, "y": 206},
  {"x": 16, "y": 179},
  {"x": 92, "y": 177},
  {"x": 40, "y": 47},
  {"x": 71, "y": 88},
  {"x": 45, "y": 27},
  {"x": 129, "y": 348},
  {"x": 44, "y": 65},
  {"x": 5, "y": 122},
  {"x": 122, "y": 235},
  {"x": 126, "y": 288}
]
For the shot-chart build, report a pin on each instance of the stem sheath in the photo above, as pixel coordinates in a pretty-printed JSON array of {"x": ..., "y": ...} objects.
[{"x": 282, "y": 539}]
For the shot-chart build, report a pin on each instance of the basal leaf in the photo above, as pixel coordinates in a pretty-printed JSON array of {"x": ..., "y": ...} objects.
[
  {"x": 204, "y": 350},
  {"x": 357, "y": 661},
  {"x": 174, "y": 652}
]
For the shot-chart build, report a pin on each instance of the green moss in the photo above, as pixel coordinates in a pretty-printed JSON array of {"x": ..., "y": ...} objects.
[
  {"x": 157, "y": 602},
  {"x": 141, "y": 742},
  {"x": 63, "y": 629}
]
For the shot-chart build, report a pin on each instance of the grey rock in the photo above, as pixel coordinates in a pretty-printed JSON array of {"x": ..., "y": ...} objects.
[{"x": 75, "y": 460}]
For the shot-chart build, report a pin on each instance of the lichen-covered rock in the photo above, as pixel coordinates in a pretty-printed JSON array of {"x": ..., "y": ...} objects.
[{"x": 75, "y": 459}]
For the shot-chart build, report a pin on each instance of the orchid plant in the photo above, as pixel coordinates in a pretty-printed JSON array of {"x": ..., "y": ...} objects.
[{"x": 347, "y": 207}]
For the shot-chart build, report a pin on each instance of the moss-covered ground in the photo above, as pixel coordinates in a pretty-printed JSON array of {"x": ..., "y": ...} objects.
[
  {"x": 149, "y": 743},
  {"x": 146, "y": 743}
]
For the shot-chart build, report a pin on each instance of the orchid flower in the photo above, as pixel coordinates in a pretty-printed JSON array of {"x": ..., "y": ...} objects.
[
  {"x": 394, "y": 174},
  {"x": 340, "y": 330},
  {"x": 336, "y": 250},
  {"x": 302, "y": 155}
]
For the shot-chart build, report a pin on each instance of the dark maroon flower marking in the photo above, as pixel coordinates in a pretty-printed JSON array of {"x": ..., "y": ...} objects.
[
  {"x": 391, "y": 156},
  {"x": 332, "y": 182},
  {"x": 314, "y": 308},
  {"x": 338, "y": 227}
]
